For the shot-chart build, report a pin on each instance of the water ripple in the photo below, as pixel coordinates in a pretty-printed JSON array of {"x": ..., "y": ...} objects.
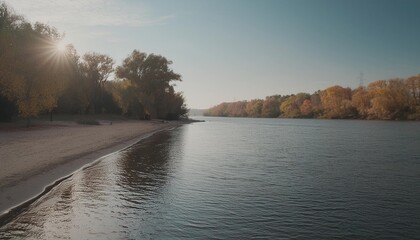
[{"x": 242, "y": 178}]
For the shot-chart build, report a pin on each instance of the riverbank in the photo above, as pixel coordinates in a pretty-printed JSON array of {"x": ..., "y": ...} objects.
[{"x": 32, "y": 158}]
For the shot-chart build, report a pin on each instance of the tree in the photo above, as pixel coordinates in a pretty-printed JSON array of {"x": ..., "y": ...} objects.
[
  {"x": 172, "y": 105},
  {"x": 28, "y": 62},
  {"x": 152, "y": 78},
  {"x": 125, "y": 96},
  {"x": 316, "y": 105},
  {"x": 336, "y": 102},
  {"x": 291, "y": 107},
  {"x": 11, "y": 82},
  {"x": 74, "y": 98},
  {"x": 218, "y": 110},
  {"x": 413, "y": 86},
  {"x": 254, "y": 108},
  {"x": 361, "y": 101},
  {"x": 390, "y": 99},
  {"x": 236, "y": 109},
  {"x": 306, "y": 109},
  {"x": 270, "y": 107},
  {"x": 96, "y": 69}
]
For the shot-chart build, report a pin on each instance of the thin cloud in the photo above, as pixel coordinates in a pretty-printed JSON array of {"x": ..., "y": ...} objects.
[
  {"x": 89, "y": 13},
  {"x": 107, "y": 36},
  {"x": 100, "y": 34}
]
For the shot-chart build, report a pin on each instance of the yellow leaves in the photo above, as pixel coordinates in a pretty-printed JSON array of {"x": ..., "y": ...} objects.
[
  {"x": 254, "y": 108},
  {"x": 124, "y": 93},
  {"x": 11, "y": 85},
  {"x": 28, "y": 77},
  {"x": 35, "y": 96},
  {"x": 389, "y": 99},
  {"x": 306, "y": 108},
  {"x": 361, "y": 101},
  {"x": 383, "y": 99},
  {"x": 413, "y": 85},
  {"x": 31, "y": 90},
  {"x": 289, "y": 108},
  {"x": 336, "y": 102},
  {"x": 237, "y": 109}
]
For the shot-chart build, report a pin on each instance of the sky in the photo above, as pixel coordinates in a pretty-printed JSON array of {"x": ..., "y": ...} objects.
[{"x": 231, "y": 50}]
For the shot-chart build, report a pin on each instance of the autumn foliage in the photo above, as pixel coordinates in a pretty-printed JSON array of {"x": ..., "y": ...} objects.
[
  {"x": 394, "y": 99},
  {"x": 37, "y": 77}
]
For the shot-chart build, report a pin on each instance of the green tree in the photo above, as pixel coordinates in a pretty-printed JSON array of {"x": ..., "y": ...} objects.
[
  {"x": 74, "y": 98},
  {"x": 96, "y": 69},
  {"x": 125, "y": 95},
  {"x": 152, "y": 77},
  {"x": 171, "y": 105}
]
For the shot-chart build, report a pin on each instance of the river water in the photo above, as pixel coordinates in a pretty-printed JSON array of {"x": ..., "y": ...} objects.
[{"x": 231, "y": 178}]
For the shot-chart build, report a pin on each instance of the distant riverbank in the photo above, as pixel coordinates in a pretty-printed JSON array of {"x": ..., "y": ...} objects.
[
  {"x": 36, "y": 157},
  {"x": 394, "y": 99}
]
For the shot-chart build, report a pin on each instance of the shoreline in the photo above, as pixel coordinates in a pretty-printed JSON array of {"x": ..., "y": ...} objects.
[{"x": 20, "y": 187}]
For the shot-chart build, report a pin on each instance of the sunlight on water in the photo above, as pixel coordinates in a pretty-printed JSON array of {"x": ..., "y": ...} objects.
[{"x": 242, "y": 178}]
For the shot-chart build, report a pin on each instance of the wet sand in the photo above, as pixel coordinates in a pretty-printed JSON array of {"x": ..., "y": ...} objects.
[{"x": 33, "y": 158}]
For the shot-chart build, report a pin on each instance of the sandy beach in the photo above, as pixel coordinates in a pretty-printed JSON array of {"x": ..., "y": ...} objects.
[{"x": 33, "y": 158}]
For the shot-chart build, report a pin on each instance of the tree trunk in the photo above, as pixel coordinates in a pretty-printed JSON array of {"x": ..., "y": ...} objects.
[
  {"x": 51, "y": 117},
  {"x": 28, "y": 122}
]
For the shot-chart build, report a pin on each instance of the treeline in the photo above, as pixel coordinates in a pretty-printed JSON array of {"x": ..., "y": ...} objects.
[
  {"x": 395, "y": 99},
  {"x": 39, "y": 77}
]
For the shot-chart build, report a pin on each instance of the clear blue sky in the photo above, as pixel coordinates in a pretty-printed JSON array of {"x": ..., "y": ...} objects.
[{"x": 236, "y": 50}]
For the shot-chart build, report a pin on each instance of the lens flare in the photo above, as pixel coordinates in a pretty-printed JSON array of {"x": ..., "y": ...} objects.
[{"x": 61, "y": 46}]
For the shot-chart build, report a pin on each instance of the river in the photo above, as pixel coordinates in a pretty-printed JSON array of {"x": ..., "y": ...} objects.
[{"x": 235, "y": 178}]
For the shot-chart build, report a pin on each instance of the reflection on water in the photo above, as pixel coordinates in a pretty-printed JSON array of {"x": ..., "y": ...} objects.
[
  {"x": 144, "y": 170},
  {"x": 109, "y": 200},
  {"x": 242, "y": 178}
]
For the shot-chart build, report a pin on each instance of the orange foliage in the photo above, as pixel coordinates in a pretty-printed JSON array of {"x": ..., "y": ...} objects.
[
  {"x": 390, "y": 99},
  {"x": 361, "y": 101},
  {"x": 336, "y": 102},
  {"x": 382, "y": 99},
  {"x": 306, "y": 108}
]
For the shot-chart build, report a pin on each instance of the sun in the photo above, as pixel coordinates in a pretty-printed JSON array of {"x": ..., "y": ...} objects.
[{"x": 60, "y": 46}]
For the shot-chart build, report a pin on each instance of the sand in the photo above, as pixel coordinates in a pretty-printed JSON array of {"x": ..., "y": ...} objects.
[{"x": 33, "y": 158}]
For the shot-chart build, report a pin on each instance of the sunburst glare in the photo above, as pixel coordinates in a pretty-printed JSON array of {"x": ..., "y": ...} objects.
[
  {"x": 61, "y": 46},
  {"x": 53, "y": 53}
]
